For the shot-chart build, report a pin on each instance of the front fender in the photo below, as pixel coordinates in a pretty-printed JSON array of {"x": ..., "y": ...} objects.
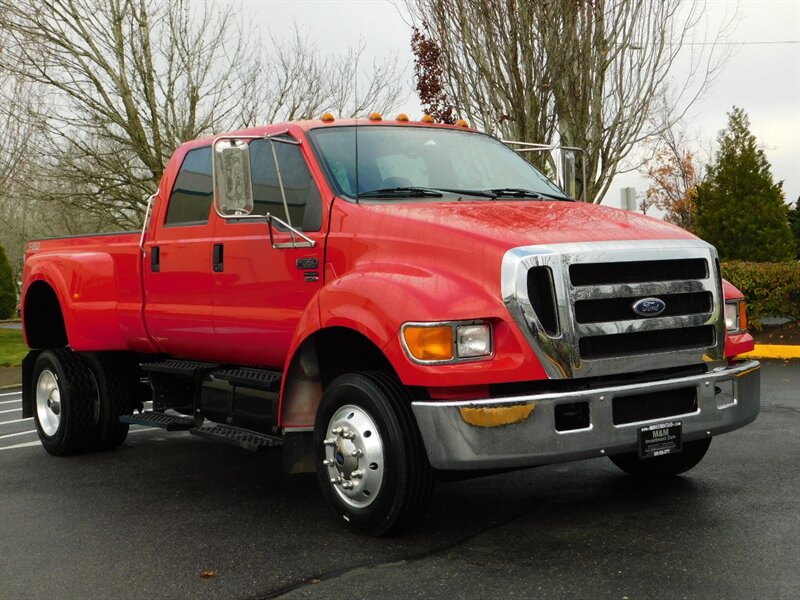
[{"x": 377, "y": 302}]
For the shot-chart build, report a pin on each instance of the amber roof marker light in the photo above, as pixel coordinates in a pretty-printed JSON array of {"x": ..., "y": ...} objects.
[{"x": 327, "y": 118}]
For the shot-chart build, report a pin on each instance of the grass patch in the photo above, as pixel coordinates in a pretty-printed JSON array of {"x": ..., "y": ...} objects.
[{"x": 12, "y": 347}]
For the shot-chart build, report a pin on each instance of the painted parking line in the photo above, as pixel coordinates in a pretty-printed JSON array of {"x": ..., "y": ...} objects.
[
  {"x": 37, "y": 442},
  {"x": 16, "y": 421},
  {"x": 10, "y": 410},
  {"x": 8, "y": 435},
  {"x": 11, "y": 401},
  {"x": 10, "y": 394},
  {"x": 24, "y": 445}
]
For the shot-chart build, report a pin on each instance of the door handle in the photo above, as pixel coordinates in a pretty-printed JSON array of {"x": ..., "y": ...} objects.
[
  {"x": 155, "y": 259},
  {"x": 218, "y": 259}
]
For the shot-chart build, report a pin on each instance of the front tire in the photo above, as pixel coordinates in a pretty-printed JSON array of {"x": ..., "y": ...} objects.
[
  {"x": 63, "y": 402},
  {"x": 370, "y": 458},
  {"x": 663, "y": 466}
]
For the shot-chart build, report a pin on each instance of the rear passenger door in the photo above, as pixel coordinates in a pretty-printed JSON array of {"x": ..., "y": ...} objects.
[
  {"x": 178, "y": 271},
  {"x": 260, "y": 292}
]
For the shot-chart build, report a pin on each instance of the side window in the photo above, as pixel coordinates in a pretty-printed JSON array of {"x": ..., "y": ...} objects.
[
  {"x": 302, "y": 195},
  {"x": 190, "y": 201}
]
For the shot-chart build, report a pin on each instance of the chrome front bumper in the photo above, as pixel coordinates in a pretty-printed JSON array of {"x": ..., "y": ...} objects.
[{"x": 455, "y": 439}]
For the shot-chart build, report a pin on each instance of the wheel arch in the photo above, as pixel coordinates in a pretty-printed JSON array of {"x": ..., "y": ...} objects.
[
  {"x": 43, "y": 317},
  {"x": 319, "y": 359}
]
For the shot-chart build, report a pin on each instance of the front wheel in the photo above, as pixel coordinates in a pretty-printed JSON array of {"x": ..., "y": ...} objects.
[
  {"x": 63, "y": 390},
  {"x": 371, "y": 462},
  {"x": 663, "y": 466}
]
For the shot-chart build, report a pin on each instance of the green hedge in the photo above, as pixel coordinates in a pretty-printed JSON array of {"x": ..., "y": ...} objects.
[{"x": 770, "y": 289}]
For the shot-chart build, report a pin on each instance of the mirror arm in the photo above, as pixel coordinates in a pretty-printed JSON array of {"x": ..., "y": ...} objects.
[
  {"x": 307, "y": 243},
  {"x": 280, "y": 186}
]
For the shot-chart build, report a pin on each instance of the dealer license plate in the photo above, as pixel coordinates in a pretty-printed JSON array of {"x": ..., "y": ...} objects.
[{"x": 660, "y": 439}]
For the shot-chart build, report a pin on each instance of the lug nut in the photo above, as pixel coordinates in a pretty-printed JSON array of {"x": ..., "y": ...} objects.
[
  {"x": 348, "y": 485},
  {"x": 348, "y": 435},
  {"x": 357, "y": 474},
  {"x": 328, "y": 462},
  {"x": 329, "y": 442},
  {"x": 336, "y": 481},
  {"x": 357, "y": 453},
  {"x": 337, "y": 431}
]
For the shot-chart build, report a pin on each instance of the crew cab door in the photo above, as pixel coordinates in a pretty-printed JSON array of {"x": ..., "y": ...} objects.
[
  {"x": 260, "y": 291},
  {"x": 177, "y": 265}
]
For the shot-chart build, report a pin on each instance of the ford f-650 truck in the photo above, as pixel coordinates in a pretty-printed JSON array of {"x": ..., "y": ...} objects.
[{"x": 386, "y": 300}]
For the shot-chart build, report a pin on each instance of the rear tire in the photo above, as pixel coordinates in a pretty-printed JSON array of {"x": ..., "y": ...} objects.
[
  {"x": 113, "y": 398},
  {"x": 370, "y": 459},
  {"x": 63, "y": 392},
  {"x": 663, "y": 466}
]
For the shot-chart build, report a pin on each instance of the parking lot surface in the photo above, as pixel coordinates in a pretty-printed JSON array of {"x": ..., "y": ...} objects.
[{"x": 173, "y": 516}]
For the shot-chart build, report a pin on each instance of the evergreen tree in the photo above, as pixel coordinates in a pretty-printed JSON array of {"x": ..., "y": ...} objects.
[
  {"x": 794, "y": 225},
  {"x": 8, "y": 288},
  {"x": 740, "y": 209}
]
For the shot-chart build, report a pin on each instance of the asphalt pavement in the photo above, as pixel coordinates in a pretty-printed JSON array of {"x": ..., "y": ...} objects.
[{"x": 173, "y": 516}]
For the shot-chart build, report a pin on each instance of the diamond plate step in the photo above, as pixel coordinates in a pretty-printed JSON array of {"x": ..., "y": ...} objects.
[
  {"x": 155, "y": 419},
  {"x": 243, "y": 438},
  {"x": 178, "y": 367},
  {"x": 258, "y": 378}
]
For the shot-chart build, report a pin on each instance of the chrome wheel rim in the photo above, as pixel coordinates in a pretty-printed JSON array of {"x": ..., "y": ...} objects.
[
  {"x": 48, "y": 402},
  {"x": 354, "y": 456}
]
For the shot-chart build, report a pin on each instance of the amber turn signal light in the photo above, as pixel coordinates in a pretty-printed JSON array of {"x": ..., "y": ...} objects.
[{"x": 429, "y": 343}]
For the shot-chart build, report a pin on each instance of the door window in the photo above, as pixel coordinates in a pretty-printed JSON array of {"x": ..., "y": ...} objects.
[{"x": 302, "y": 195}]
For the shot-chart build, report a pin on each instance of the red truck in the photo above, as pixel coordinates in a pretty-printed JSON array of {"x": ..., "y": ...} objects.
[{"x": 386, "y": 300}]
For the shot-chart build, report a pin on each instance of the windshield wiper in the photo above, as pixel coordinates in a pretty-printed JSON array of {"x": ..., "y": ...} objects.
[
  {"x": 407, "y": 192},
  {"x": 523, "y": 193}
]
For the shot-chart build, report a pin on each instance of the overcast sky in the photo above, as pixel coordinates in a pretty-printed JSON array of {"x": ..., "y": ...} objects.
[{"x": 763, "y": 78}]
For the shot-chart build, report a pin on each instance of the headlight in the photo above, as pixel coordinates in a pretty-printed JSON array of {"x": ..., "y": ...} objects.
[
  {"x": 735, "y": 317},
  {"x": 473, "y": 340},
  {"x": 433, "y": 343}
]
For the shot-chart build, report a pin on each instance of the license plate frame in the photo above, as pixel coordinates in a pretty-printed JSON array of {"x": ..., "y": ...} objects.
[{"x": 660, "y": 439}]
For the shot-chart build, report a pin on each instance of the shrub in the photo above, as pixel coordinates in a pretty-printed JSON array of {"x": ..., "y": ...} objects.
[{"x": 770, "y": 289}]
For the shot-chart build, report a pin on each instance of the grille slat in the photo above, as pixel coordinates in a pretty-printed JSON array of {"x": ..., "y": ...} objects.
[
  {"x": 636, "y": 272},
  {"x": 621, "y": 309},
  {"x": 640, "y": 342}
]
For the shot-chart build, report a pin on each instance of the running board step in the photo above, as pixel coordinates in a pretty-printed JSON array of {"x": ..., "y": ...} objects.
[
  {"x": 255, "y": 378},
  {"x": 243, "y": 438},
  {"x": 162, "y": 420},
  {"x": 178, "y": 367}
]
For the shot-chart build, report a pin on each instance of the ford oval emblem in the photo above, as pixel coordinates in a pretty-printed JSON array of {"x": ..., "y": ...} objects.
[{"x": 649, "y": 307}]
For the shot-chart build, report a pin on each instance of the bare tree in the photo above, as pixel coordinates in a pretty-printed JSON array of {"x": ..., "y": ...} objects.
[
  {"x": 586, "y": 73},
  {"x": 126, "y": 81}
]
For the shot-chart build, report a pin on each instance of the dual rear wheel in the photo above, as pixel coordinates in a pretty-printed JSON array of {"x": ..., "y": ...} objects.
[{"x": 78, "y": 399}]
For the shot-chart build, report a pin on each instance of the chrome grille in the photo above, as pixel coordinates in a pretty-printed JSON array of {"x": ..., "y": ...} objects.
[{"x": 594, "y": 288}]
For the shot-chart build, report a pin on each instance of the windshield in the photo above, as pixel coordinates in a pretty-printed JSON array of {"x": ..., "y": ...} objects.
[{"x": 424, "y": 157}]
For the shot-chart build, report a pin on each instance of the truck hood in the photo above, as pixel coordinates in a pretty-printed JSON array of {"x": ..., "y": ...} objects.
[{"x": 506, "y": 224}]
